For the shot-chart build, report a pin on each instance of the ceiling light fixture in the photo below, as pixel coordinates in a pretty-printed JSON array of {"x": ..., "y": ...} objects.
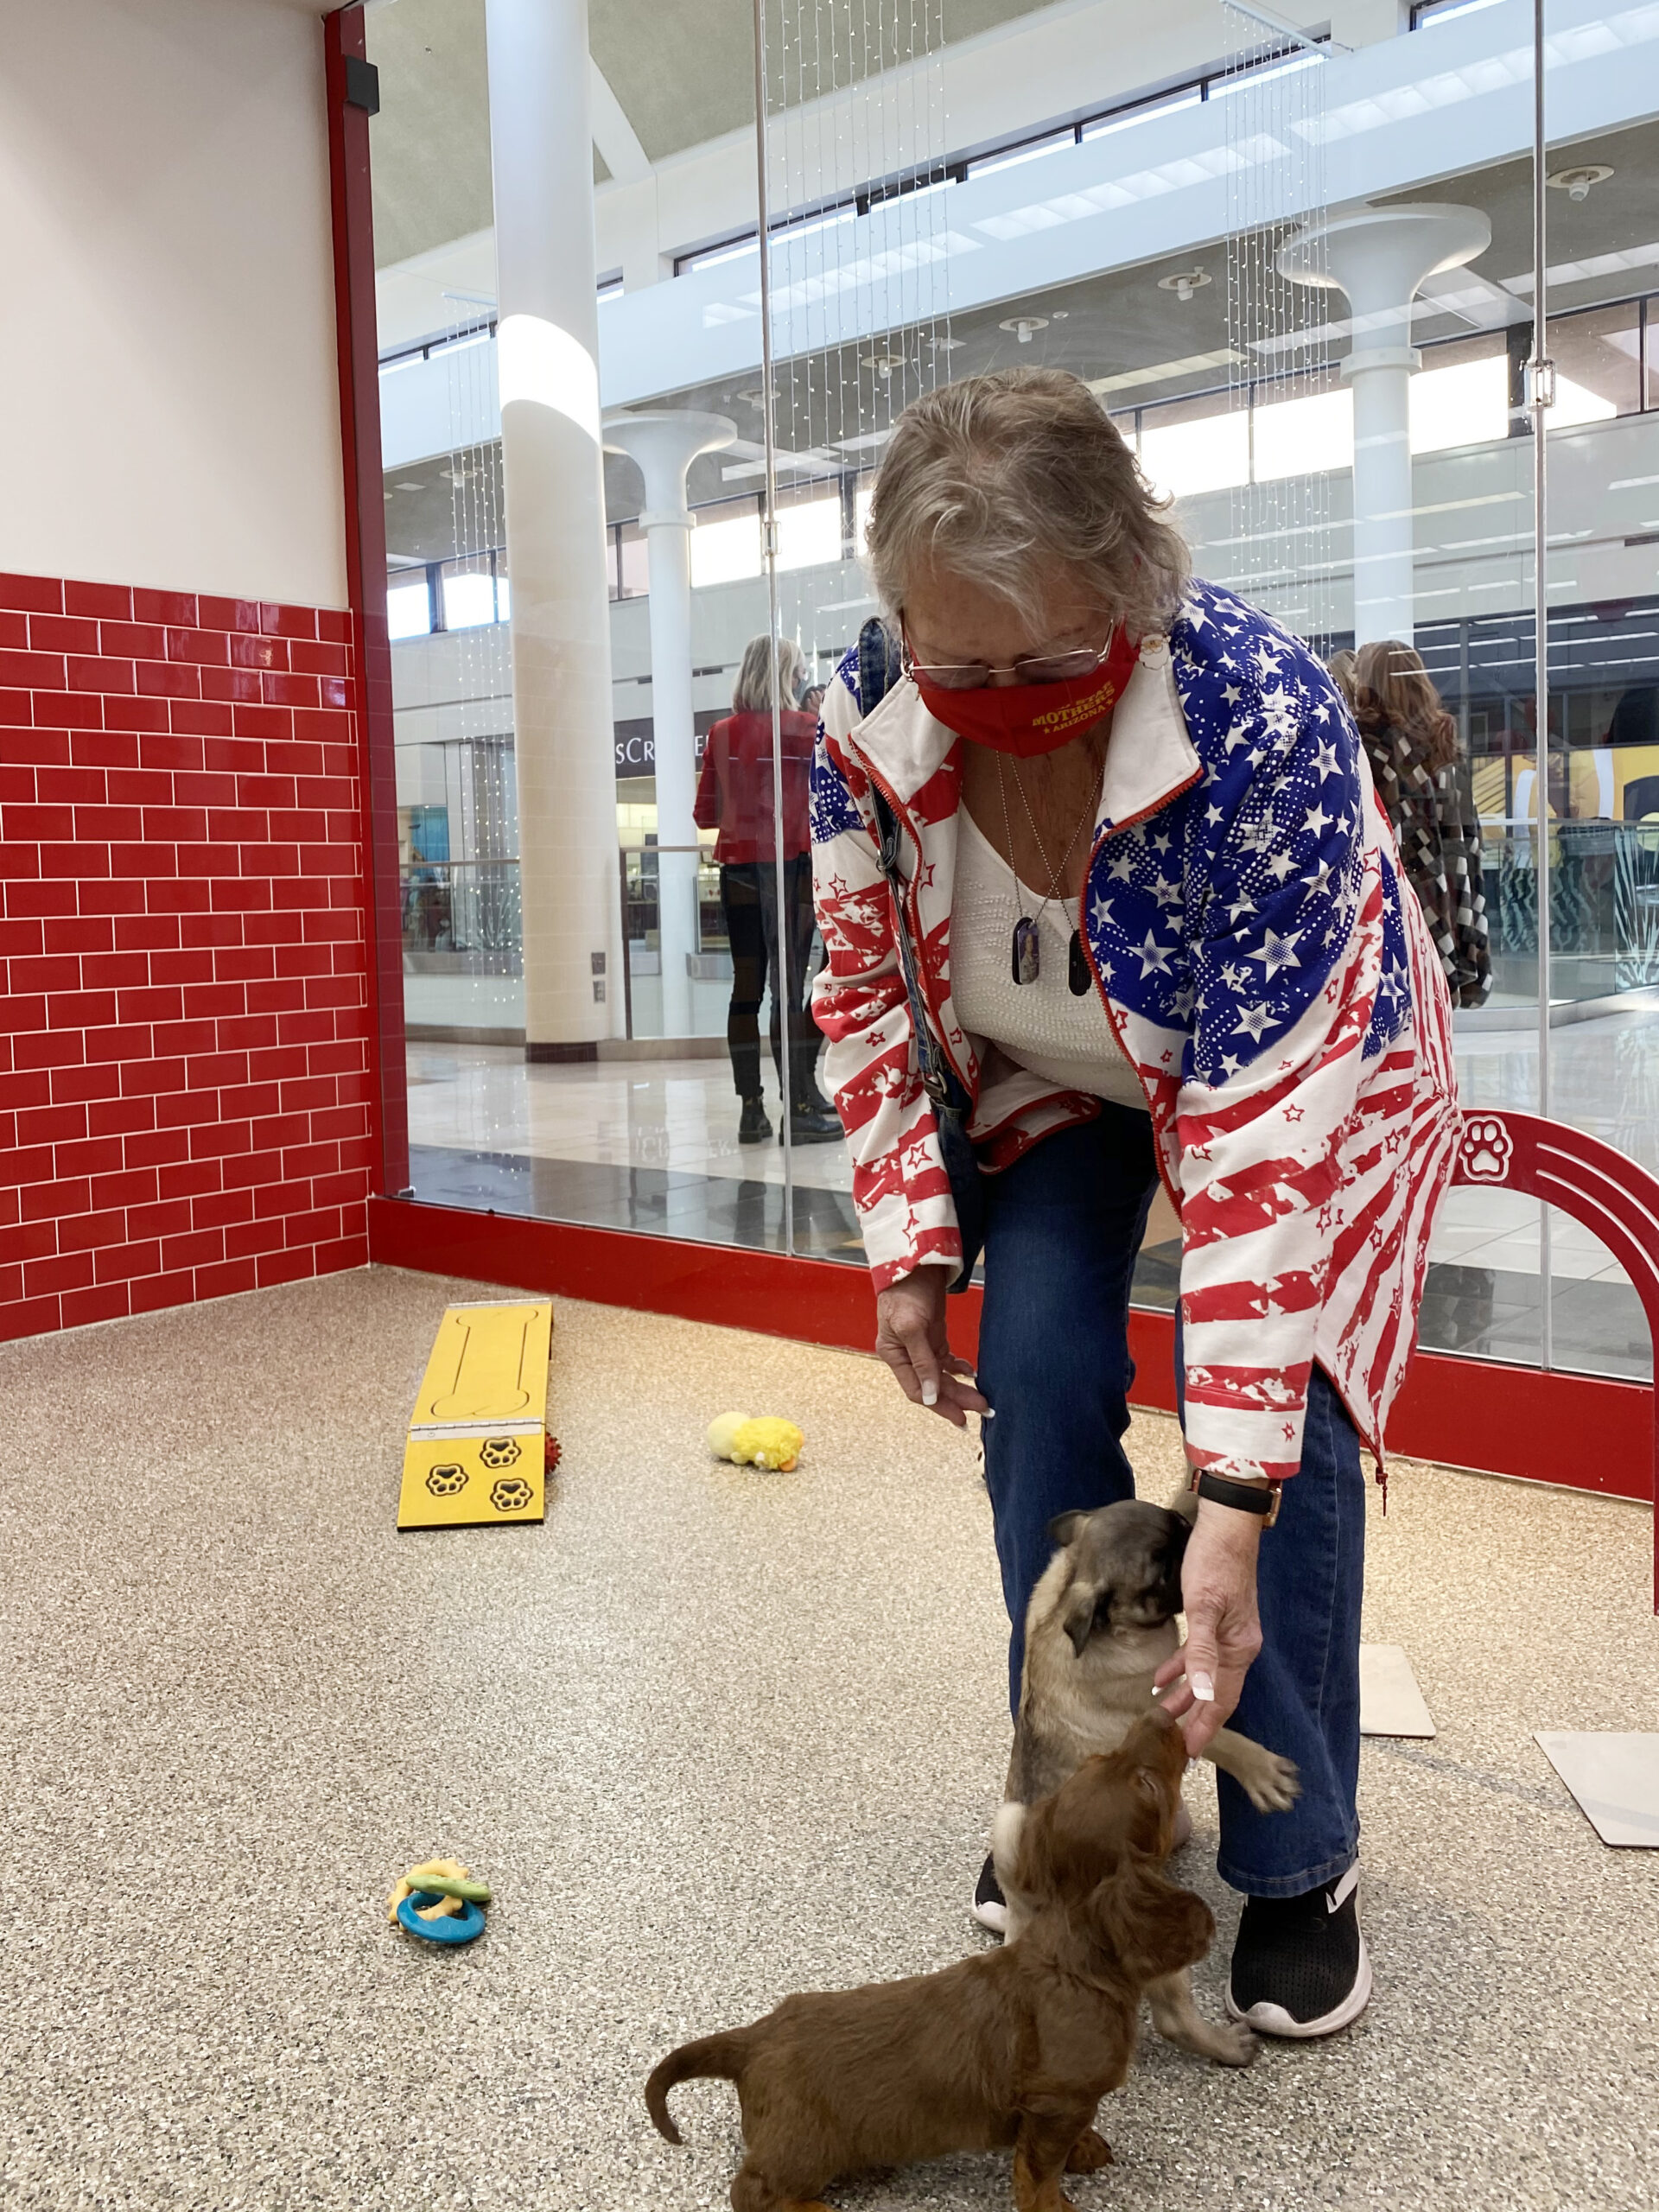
[
  {"x": 1025, "y": 326},
  {"x": 1184, "y": 282},
  {"x": 1576, "y": 183}
]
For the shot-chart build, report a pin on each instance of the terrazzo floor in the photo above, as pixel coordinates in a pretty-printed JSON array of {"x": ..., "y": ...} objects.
[{"x": 713, "y": 1735}]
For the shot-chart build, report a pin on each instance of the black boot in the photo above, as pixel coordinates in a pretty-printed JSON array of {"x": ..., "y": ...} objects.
[
  {"x": 754, "y": 1127},
  {"x": 810, "y": 1124}
]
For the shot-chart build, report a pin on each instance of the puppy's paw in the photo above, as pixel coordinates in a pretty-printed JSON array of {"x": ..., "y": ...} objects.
[
  {"x": 1089, "y": 2153},
  {"x": 1233, "y": 2044},
  {"x": 1273, "y": 1784}
]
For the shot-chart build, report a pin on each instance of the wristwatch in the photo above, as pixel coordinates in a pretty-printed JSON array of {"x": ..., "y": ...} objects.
[{"x": 1244, "y": 1498}]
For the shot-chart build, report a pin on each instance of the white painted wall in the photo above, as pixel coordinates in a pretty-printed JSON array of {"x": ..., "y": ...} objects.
[{"x": 167, "y": 371}]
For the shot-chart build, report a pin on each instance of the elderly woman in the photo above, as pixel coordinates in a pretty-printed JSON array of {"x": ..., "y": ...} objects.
[{"x": 1108, "y": 901}]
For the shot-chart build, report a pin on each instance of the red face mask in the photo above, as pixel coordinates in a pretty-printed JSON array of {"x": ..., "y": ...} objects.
[{"x": 1026, "y": 719}]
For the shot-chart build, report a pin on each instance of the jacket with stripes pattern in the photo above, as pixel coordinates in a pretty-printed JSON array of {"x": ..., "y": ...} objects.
[{"x": 1280, "y": 1001}]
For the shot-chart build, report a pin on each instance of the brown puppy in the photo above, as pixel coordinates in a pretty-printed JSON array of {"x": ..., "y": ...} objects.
[
  {"x": 1015, "y": 2047},
  {"x": 1101, "y": 1623}
]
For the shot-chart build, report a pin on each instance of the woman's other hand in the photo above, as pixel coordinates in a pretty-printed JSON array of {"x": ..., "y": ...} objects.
[
  {"x": 1223, "y": 1631},
  {"x": 910, "y": 1336}
]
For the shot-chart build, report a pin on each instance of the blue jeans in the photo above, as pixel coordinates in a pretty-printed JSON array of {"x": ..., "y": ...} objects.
[{"x": 1062, "y": 1228}]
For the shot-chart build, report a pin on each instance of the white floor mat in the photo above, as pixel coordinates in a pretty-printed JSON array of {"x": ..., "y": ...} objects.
[
  {"x": 1390, "y": 1703},
  {"x": 1615, "y": 1779}
]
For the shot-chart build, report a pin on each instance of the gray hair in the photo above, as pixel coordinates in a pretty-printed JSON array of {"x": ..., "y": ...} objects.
[
  {"x": 752, "y": 691},
  {"x": 1000, "y": 480}
]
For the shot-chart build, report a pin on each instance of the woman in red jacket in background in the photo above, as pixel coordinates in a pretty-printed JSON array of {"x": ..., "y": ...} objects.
[{"x": 735, "y": 795}]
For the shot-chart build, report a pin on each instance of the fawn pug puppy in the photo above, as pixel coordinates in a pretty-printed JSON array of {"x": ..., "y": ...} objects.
[
  {"x": 1013, "y": 2047},
  {"x": 1101, "y": 1623}
]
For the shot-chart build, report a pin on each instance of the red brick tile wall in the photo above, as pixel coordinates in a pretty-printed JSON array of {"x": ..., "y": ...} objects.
[{"x": 185, "y": 1090}]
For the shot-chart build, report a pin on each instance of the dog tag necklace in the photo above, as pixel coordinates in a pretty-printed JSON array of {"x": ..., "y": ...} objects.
[{"x": 1027, "y": 962}]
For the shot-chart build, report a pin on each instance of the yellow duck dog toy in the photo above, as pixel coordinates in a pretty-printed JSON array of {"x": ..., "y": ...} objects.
[{"x": 767, "y": 1442}]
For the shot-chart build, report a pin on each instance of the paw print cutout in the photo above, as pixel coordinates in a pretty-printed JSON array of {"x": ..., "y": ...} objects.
[
  {"x": 445, "y": 1482},
  {"x": 511, "y": 1495},
  {"x": 1486, "y": 1150},
  {"x": 500, "y": 1451}
]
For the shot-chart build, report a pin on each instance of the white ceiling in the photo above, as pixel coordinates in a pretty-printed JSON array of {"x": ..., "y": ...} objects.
[{"x": 675, "y": 74}]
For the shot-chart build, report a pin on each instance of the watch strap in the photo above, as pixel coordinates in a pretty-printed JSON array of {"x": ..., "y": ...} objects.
[{"x": 1244, "y": 1498}]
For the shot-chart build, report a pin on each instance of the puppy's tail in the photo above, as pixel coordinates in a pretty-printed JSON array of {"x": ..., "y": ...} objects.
[{"x": 720, "y": 2058}]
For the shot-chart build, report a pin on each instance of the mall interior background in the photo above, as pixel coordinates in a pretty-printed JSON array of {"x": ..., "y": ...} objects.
[{"x": 971, "y": 184}]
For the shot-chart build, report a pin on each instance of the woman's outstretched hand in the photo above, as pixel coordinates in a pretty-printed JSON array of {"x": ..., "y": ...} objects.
[
  {"x": 910, "y": 1336},
  {"x": 1223, "y": 1632}
]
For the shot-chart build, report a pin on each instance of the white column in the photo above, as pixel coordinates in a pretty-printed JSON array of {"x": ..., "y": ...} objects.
[
  {"x": 1379, "y": 258},
  {"x": 541, "y": 152},
  {"x": 664, "y": 444}
]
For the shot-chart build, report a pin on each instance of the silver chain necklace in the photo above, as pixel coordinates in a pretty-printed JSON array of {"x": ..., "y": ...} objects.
[{"x": 1026, "y": 961}]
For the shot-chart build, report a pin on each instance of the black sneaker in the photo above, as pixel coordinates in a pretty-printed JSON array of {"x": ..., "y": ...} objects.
[
  {"x": 990, "y": 1906},
  {"x": 754, "y": 1127},
  {"x": 1300, "y": 1966}
]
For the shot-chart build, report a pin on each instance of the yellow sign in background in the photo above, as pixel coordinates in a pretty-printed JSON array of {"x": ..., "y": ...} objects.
[{"x": 477, "y": 1440}]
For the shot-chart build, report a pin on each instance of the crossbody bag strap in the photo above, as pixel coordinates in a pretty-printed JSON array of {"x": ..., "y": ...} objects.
[{"x": 938, "y": 1078}]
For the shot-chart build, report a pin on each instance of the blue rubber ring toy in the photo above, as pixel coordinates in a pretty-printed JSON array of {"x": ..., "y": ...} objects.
[{"x": 463, "y": 1927}]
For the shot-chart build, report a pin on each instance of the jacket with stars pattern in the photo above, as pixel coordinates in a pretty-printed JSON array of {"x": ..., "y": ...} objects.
[{"x": 1279, "y": 999}]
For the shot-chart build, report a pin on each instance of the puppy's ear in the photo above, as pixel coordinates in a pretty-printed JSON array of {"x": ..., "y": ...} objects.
[
  {"x": 1063, "y": 1527},
  {"x": 1150, "y": 1927},
  {"x": 1079, "y": 1614}
]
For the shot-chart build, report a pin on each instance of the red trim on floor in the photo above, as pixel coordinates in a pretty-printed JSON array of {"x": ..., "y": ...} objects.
[
  {"x": 1573, "y": 1430},
  {"x": 818, "y": 1301},
  {"x": 1583, "y": 1431},
  {"x": 366, "y": 562}
]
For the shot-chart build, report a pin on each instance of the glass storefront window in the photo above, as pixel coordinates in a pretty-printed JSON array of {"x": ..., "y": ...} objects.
[{"x": 909, "y": 244}]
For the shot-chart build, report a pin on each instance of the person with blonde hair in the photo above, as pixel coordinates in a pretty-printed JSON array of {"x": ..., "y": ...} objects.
[
  {"x": 1107, "y": 903},
  {"x": 770, "y": 936},
  {"x": 1412, "y": 744}
]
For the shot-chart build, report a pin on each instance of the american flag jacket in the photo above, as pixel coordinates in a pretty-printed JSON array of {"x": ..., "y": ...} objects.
[{"x": 1278, "y": 999}]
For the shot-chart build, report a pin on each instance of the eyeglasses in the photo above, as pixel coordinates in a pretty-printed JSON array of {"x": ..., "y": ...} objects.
[{"x": 1034, "y": 668}]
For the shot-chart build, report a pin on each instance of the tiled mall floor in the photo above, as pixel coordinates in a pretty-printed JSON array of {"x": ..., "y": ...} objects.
[{"x": 652, "y": 1145}]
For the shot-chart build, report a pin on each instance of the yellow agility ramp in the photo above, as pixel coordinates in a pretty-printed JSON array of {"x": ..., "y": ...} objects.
[{"x": 477, "y": 1440}]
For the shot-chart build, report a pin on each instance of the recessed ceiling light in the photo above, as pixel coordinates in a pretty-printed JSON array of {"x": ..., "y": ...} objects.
[
  {"x": 1576, "y": 183},
  {"x": 403, "y": 485},
  {"x": 1184, "y": 282},
  {"x": 1025, "y": 326}
]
